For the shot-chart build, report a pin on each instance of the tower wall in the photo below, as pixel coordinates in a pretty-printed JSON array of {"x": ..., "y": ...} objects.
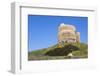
[{"x": 67, "y": 33}]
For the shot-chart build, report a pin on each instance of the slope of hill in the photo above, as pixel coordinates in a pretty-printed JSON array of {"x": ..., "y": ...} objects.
[{"x": 79, "y": 50}]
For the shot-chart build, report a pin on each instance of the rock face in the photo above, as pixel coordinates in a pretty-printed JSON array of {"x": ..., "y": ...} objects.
[{"x": 67, "y": 33}]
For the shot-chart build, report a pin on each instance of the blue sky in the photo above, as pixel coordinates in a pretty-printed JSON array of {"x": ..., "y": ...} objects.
[{"x": 42, "y": 29}]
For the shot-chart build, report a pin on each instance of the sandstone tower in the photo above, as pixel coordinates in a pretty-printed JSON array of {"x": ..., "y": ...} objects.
[{"x": 67, "y": 33}]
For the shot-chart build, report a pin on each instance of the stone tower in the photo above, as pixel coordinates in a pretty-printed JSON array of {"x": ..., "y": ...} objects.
[{"x": 67, "y": 33}]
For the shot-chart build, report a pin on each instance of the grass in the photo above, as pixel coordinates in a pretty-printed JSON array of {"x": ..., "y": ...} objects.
[{"x": 42, "y": 54}]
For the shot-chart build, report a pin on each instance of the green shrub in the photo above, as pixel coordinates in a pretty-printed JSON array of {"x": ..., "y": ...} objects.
[{"x": 64, "y": 51}]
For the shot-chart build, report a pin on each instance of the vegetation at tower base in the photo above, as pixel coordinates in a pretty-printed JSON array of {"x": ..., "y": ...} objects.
[
  {"x": 64, "y": 51},
  {"x": 79, "y": 50}
]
